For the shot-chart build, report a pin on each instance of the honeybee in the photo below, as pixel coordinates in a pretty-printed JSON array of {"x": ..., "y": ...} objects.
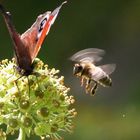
[{"x": 86, "y": 69}]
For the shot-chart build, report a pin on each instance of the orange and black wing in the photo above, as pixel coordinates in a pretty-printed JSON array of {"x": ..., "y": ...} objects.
[
  {"x": 34, "y": 37},
  {"x": 27, "y": 45}
]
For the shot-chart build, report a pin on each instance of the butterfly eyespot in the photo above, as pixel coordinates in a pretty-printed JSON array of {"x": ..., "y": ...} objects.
[{"x": 42, "y": 24}]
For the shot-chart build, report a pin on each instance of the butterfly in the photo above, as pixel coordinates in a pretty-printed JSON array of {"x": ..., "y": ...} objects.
[{"x": 27, "y": 45}]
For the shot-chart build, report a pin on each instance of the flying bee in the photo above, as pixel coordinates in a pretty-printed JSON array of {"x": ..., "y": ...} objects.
[{"x": 86, "y": 69}]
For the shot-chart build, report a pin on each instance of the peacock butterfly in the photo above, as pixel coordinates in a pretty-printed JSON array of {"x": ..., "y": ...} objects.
[{"x": 27, "y": 45}]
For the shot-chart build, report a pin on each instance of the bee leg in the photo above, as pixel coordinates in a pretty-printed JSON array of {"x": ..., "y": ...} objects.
[
  {"x": 93, "y": 90},
  {"x": 88, "y": 85},
  {"x": 82, "y": 81}
]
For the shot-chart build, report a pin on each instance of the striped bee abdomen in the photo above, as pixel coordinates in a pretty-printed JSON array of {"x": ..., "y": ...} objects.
[{"x": 106, "y": 81}]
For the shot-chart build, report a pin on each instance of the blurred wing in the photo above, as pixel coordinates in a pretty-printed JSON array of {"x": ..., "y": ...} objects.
[
  {"x": 108, "y": 68},
  {"x": 88, "y": 55},
  {"x": 102, "y": 71},
  {"x": 97, "y": 74},
  {"x": 34, "y": 37}
]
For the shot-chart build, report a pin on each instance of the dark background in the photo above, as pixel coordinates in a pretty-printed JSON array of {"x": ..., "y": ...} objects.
[{"x": 113, "y": 25}]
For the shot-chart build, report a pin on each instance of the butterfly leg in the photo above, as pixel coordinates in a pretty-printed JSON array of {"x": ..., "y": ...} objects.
[
  {"x": 16, "y": 82},
  {"x": 94, "y": 89},
  {"x": 13, "y": 73}
]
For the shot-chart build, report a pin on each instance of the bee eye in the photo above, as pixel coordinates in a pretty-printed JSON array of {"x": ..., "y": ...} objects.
[{"x": 77, "y": 69}]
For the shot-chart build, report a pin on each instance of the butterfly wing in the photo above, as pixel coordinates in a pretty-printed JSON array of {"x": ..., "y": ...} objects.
[
  {"x": 34, "y": 37},
  {"x": 91, "y": 55},
  {"x": 21, "y": 51},
  {"x": 27, "y": 45}
]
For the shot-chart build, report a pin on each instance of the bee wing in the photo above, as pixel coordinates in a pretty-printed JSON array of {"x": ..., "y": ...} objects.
[
  {"x": 102, "y": 71},
  {"x": 97, "y": 74},
  {"x": 88, "y": 55},
  {"x": 108, "y": 68}
]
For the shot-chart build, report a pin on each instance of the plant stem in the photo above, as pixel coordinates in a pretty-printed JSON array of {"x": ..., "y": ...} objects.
[{"x": 21, "y": 134}]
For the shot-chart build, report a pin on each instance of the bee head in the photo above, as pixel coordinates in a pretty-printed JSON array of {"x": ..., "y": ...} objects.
[{"x": 77, "y": 70}]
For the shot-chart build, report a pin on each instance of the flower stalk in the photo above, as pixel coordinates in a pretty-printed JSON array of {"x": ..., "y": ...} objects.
[{"x": 22, "y": 134}]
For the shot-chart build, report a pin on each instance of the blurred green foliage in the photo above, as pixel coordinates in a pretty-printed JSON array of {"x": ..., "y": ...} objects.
[{"x": 112, "y": 25}]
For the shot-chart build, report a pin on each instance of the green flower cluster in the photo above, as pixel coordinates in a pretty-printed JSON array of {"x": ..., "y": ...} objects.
[{"x": 34, "y": 105}]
